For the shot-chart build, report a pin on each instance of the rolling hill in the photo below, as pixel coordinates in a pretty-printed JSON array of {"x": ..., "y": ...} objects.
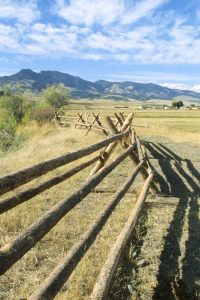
[{"x": 80, "y": 88}]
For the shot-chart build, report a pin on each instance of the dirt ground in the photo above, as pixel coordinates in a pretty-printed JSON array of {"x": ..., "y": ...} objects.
[{"x": 163, "y": 257}]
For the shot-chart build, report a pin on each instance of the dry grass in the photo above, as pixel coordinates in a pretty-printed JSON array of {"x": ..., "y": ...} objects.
[
  {"x": 25, "y": 275},
  {"x": 49, "y": 141}
]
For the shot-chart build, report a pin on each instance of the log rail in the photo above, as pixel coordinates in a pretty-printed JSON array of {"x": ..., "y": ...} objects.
[{"x": 122, "y": 133}]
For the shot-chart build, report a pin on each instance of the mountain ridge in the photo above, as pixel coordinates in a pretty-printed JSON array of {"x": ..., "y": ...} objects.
[{"x": 81, "y": 88}]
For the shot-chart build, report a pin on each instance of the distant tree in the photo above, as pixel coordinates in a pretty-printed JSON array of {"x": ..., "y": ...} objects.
[
  {"x": 56, "y": 95},
  {"x": 177, "y": 104}
]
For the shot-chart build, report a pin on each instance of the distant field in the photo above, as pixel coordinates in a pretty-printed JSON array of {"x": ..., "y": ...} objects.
[{"x": 178, "y": 124}]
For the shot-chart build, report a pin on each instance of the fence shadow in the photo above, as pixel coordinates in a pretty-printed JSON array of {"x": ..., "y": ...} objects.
[{"x": 178, "y": 279}]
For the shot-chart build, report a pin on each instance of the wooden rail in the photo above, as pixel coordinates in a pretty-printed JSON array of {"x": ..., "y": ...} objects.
[
  {"x": 16, "y": 179},
  {"x": 84, "y": 120},
  {"x": 122, "y": 133},
  {"x": 89, "y": 121},
  {"x": 107, "y": 273}
]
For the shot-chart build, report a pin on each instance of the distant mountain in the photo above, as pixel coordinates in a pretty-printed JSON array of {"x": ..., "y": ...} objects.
[{"x": 80, "y": 88}]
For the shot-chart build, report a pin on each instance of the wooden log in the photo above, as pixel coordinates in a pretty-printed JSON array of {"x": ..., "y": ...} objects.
[
  {"x": 9, "y": 203},
  {"x": 14, "y": 250},
  {"x": 91, "y": 125},
  {"x": 53, "y": 283},
  {"x": 16, "y": 179},
  {"x": 139, "y": 149},
  {"x": 69, "y": 117},
  {"x": 109, "y": 150},
  {"x": 143, "y": 149},
  {"x": 122, "y": 115},
  {"x": 119, "y": 119},
  {"x": 82, "y": 124},
  {"x": 64, "y": 123},
  {"x": 107, "y": 273},
  {"x": 100, "y": 124},
  {"x": 80, "y": 118},
  {"x": 134, "y": 157}
]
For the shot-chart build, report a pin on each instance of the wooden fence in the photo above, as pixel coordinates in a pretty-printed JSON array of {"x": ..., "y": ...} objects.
[
  {"x": 89, "y": 121},
  {"x": 17, "y": 248}
]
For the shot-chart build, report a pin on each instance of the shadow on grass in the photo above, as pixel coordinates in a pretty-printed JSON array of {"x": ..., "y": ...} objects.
[
  {"x": 125, "y": 278},
  {"x": 178, "y": 280}
]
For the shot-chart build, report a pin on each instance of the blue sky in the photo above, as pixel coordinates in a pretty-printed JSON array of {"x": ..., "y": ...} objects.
[{"x": 140, "y": 40}]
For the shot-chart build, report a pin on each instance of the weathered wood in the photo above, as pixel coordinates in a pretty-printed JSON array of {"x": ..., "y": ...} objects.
[
  {"x": 133, "y": 156},
  {"x": 91, "y": 125},
  {"x": 139, "y": 149},
  {"x": 16, "y": 179},
  {"x": 64, "y": 123},
  {"x": 119, "y": 119},
  {"x": 14, "y": 250},
  {"x": 143, "y": 149},
  {"x": 82, "y": 124},
  {"x": 53, "y": 283},
  {"x": 100, "y": 124},
  {"x": 122, "y": 115},
  {"x": 9, "y": 203},
  {"x": 68, "y": 117},
  {"x": 109, "y": 150},
  {"x": 107, "y": 273},
  {"x": 80, "y": 118}
]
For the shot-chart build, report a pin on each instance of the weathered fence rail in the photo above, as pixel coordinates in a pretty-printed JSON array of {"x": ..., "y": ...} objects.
[
  {"x": 89, "y": 121},
  {"x": 121, "y": 133}
]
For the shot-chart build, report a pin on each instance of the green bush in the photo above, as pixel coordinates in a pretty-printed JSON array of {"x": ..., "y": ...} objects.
[
  {"x": 56, "y": 95},
  {"x": 7, "y": 129},
  {"x": 14, "y": 104}
]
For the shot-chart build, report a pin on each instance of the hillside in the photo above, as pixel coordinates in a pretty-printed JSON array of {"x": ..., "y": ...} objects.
[{"x": 80, "y": 88}]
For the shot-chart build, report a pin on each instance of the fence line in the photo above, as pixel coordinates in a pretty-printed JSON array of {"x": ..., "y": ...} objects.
[
  {"x": 107, "y": 272},
  {"x": 122, "y": 134},
  {"x": 16, "y": 179},
  {"x": 61, "y": 273}
]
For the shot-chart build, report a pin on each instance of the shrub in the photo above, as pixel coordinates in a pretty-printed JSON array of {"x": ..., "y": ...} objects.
[
  {"x": 43, "y": 112},
  {"x": 14, "y": 104},
  {"x": 7, "y": 130},
  {"x": 56, "y": 95}
]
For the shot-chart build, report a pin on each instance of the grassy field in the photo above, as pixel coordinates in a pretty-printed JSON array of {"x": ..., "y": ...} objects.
[{"x": 158, "y": 260}]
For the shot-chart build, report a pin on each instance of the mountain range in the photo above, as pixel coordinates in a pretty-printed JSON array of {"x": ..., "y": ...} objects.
[{"x": 80, "y": 88}]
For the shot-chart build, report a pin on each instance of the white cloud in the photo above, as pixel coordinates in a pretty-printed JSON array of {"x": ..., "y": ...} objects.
[
  {"x": 196, "y": 88},
  {"x": 21, "y": 10},
  {"x": 103, "y": 12},
  {"x": 101, "y": 29},
  {"x": 8, "y": 38},
  {"x": 142, "y": 9},
  {"x": 183, "y": 86},
  {"x": 87, "y": 12}
]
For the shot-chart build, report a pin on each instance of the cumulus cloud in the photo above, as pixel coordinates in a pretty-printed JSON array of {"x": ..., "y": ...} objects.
[
  {"x": 183, "y": 86},
  {"x": 121, "y": 30},
  {"x": 86, "y": 12},
  {"x": 105, "y": 12},
  {"x": 21, "y": 10}
]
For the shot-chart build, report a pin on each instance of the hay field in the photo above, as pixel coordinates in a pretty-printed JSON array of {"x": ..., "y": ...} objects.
[{"x": 141, "y": 268}]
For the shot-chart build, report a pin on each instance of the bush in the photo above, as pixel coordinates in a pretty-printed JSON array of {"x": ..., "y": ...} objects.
[
  {"x": 56, "y": 95},
  {"x": 7, "y": 130},
  {"x": 14, "y": 104},
  {"x": 43, "y": 112}
]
